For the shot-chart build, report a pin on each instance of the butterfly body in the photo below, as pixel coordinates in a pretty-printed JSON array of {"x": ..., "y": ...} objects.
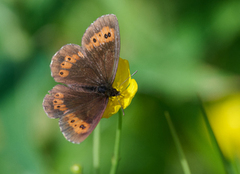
[
  {"x": 105, "y": 90},
  {"x": 88, "y": 72},
  {"x": 108, "y": 91}
]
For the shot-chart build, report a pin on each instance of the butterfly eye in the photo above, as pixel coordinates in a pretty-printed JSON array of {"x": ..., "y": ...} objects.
[
  {"x": 106, "y": 36},
  {"x": 94, "y": 40},
  {"x": 109, "y": 34}
]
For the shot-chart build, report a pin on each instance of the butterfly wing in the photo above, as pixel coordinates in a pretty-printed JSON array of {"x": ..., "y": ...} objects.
[
  {"x": 101, "y": 43},
  {"x": 71, "y": 66},
  {"x": 93, "y": 64},
  {"x": 79, "y": 112}
]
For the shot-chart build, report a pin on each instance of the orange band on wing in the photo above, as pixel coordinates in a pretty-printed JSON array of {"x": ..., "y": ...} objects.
[{"x": 104, "y": 36}]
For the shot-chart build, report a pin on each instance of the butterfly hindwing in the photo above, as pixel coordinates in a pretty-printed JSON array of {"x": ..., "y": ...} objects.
[{"x": 79, "y": 112}]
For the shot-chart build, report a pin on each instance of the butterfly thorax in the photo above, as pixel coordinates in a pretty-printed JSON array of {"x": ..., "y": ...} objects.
[{"x": 107, "y": 91}]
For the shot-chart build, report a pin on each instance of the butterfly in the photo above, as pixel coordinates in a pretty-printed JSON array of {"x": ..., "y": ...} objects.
[{"x": 88, "y": 72}]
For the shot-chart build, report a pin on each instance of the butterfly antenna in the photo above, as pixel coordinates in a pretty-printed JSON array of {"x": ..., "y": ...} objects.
[
  {"x": 121, "y": 106},
  {"x": 128, "y": 78}
]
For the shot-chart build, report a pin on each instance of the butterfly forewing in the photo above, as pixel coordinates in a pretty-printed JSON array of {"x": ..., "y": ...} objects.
[
  {"x": 101, "y": 43},
  {"x": 71, "y": 66}
]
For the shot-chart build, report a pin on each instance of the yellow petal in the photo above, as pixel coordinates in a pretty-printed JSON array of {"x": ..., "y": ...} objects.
[
  {"x": 127, "y": 87},
  {"x": 123, "y": 73},
  {"x": 129, "y": 94}
]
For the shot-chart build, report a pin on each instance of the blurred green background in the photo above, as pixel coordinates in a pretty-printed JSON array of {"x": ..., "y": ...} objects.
[{"x": 180, "y": 49}]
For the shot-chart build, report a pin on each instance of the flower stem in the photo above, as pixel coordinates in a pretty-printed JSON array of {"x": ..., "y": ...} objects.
[
  {"x": 226, "y": 164},
  {"x": 115, "y": 158},
  {"x": 183, "y": 160},
  {"x": 96, "y": 144}
]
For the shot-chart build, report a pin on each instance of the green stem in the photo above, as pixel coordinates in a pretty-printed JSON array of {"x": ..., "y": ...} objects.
[
  {"x": 227, "y": 167},
  {"x": 115, "y": 158},
  {"x": 96, "y": 144},
  {"x": 182, "y": 157}
]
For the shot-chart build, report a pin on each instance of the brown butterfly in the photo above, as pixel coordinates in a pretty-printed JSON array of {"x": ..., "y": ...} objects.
[{"x": 88, "y": 71}]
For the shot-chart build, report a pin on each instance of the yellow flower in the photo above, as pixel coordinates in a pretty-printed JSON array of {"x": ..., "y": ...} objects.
[
  {"x": 127, "y": 89},
  {"x": 224, "y": 116}
]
